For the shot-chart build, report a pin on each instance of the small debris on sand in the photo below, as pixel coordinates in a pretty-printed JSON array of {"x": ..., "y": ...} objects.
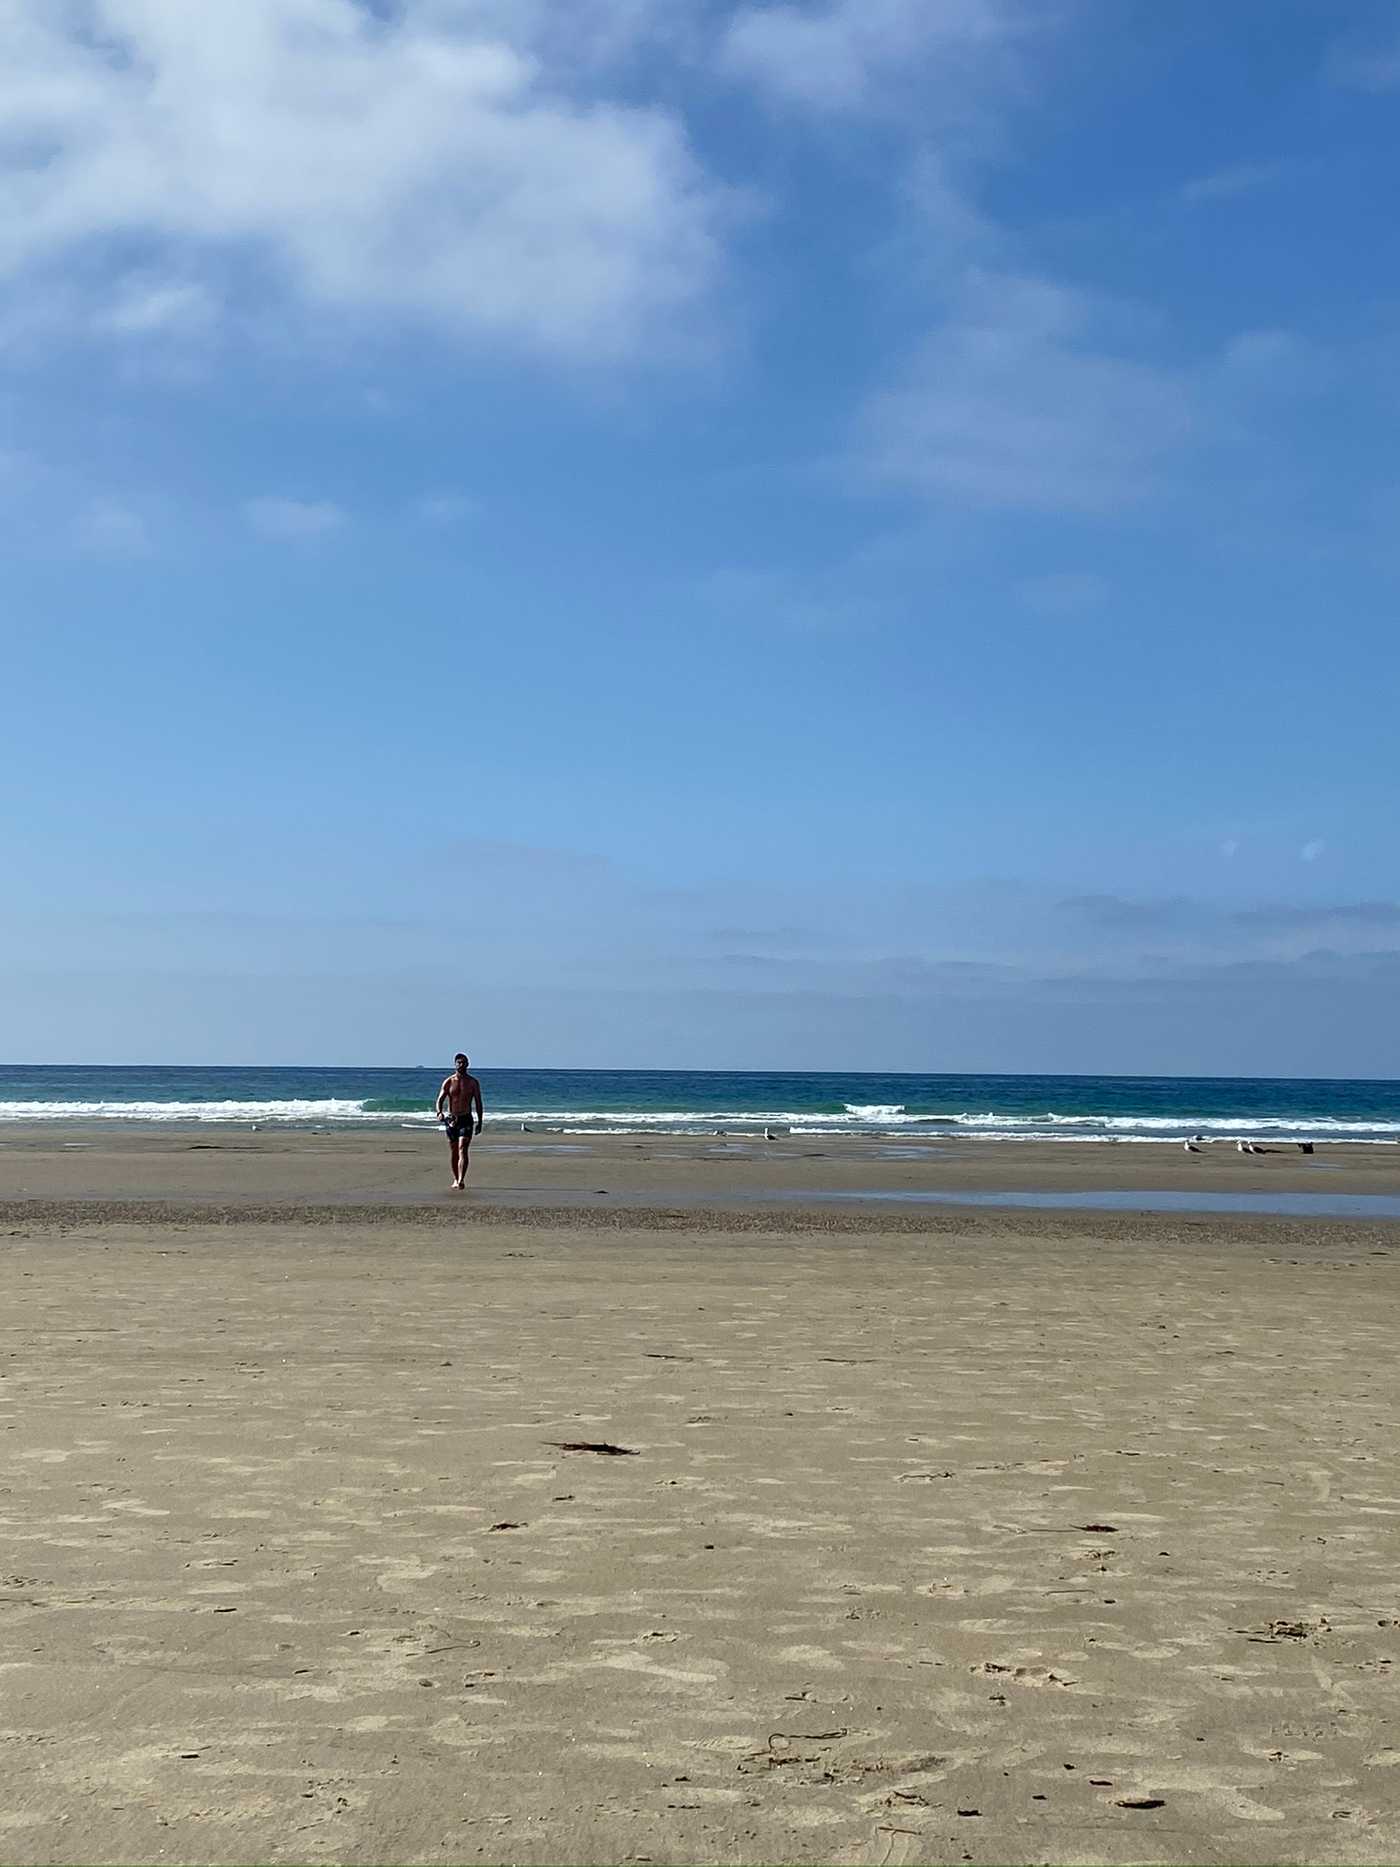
[{"x": 589, "y": 1445}]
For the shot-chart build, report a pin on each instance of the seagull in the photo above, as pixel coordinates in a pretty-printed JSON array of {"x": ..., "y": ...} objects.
[
  {"x": 1243, "y": 1147},
  {"x": 769, "y": 1135},
  {"x": 1305, "y": 1147},
  {"x": 1190, "y": 1147}
]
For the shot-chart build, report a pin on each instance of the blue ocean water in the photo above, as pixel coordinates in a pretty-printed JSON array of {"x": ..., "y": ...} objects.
[{"x": 1058, "y": 1108}]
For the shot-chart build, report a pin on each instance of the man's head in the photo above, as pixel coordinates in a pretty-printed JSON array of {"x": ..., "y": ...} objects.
[{"x": 459, "y": 1063}]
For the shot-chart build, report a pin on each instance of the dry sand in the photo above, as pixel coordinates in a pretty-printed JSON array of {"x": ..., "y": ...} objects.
[{"x": 969, "y": 1537}]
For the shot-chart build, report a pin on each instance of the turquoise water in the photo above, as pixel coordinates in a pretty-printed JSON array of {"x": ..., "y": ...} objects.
[{"x": 922, "y": 1107}]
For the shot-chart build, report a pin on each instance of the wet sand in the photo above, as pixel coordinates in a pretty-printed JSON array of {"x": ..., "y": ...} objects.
[
  {"x": 936, "y": 1537},
  {"x": 125, "y": 1170}
]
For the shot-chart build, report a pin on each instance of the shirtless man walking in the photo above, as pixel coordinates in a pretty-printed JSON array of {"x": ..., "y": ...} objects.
[{"x": 458, "y": 1099}]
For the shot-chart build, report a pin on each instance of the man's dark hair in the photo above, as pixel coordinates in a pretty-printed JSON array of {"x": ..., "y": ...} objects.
[{"x": 461, "y": 1057}]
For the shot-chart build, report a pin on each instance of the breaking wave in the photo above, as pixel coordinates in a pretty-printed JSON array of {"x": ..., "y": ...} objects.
[{"x": 887, "y": 1119}]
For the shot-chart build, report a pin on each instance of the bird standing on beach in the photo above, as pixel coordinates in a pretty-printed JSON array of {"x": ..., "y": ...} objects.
[{"x": 1190, "y": 1147}]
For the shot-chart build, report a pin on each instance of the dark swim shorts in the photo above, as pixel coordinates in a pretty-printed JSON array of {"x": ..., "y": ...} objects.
[{"x": 459, "y": 1128}]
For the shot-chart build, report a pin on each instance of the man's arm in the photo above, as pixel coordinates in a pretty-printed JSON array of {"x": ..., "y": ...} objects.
[
  {"x": 442, "y": 1097},
  {"x": 476, "y": 1102}
]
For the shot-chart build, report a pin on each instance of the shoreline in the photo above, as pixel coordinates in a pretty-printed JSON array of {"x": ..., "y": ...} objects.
[{"x": 73, "y": 1171}]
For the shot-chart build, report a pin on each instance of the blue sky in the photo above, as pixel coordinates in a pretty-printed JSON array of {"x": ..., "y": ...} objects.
[{"x": 856, "y": 533}]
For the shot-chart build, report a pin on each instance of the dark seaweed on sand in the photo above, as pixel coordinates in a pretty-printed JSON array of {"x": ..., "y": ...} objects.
[{"x": 599, "y": 1445}]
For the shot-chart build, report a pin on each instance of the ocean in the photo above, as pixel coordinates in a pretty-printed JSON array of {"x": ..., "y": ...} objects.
[{"x": 1139, "y": 1109}]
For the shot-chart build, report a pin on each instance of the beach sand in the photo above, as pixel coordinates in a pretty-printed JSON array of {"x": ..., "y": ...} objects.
[
  {"x": 115, "y": 1165},
  {"x": 966, "y": 1536}
]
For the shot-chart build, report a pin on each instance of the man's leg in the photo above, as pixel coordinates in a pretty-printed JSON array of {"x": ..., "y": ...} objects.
[
  {"x": 466, "y": 1156},
  {"x": 453, "y": 1145}
]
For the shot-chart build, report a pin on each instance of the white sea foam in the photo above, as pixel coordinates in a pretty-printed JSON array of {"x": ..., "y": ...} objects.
[
  {"x": 889, "y": 1120},
  {"x": 1177, "y": 1126},
  {"x": 335, "y": 1110}
]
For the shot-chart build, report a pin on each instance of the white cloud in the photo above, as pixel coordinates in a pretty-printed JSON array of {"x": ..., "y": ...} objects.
[
  {"x": 294, "y": 518},
  {"x": 110, "y": 528},
  {"x": 846, "y": 54},
  {"x": 441, "y": 164},
  {"x": 1016, "y": 400}
]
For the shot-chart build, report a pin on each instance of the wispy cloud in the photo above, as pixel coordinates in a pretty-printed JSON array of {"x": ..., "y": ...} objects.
[
  {"x": 111, "y": 528},
  {"x": 1018, "y": 399},
  {"x": 145, "y": 306},
  {"x": 755, "y": 962},
  {"x": 847, "y": 55},
  {"x": 1186, "y": 981},
  {"x": 294, "y": 518},
  {"x": 1216, "y": 928},
  {"x": 446, "y": 508},
  {"x": 1240, "y": 178},
  {"x": 1272, "y": 362},
  {"x": 1363, "y": 66},
  {"x": 1283, "y": 917},
  {"x": 1122, "y": 913}
]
